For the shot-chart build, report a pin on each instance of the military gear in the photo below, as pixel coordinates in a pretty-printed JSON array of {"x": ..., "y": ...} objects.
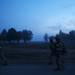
[{"x": 57, "y": 50}]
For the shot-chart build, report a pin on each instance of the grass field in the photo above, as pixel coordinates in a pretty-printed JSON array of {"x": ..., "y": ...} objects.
[{"x": 36, "y": 55}]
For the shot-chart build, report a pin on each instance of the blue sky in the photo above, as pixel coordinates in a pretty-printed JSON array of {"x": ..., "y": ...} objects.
[{"x": 40, "y": 16}]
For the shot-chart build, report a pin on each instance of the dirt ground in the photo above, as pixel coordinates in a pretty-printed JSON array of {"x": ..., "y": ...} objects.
[{"x": 23, "y": 61}]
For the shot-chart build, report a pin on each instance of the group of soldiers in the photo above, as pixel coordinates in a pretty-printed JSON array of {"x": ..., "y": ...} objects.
[{"x": 57, "y": 52}]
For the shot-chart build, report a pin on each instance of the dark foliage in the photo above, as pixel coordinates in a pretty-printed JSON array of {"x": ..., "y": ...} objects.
[{"x": 13, "y": 35}]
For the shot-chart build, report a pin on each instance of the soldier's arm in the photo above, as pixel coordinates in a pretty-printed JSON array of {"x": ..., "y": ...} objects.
[{"x": 64, "y": 48}]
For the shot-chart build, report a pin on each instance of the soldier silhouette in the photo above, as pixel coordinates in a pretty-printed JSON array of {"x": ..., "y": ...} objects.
[
  {"x": 52, "y": 42},
  {"x": 57, "y": 51},
  {"x": 60, "y": 51},
  {"x": 2, "y": 56}
]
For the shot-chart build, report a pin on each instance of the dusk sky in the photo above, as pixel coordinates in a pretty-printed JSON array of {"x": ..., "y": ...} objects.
[{"x": 39, "y": 16}]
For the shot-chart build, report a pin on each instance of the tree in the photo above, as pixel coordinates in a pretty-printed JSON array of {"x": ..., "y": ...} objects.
[
  {"x": 12, "y": 34},
  {"x": 18, "y": 36},
  {"x": 46, "y": 37},
  {"x": 3, "y": 35},
  {"x": 30, "y": 35},
  {"x": 26, "y": 35},
  {"x": 72, "y": 35},
  {"x": 63, "y": 36}
]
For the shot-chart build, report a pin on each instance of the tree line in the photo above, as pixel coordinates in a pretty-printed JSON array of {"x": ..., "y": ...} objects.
[
  {"x": 14, "y": 35},
  {"x": 26, "y": 35},
  {"x": 67, "y": 36},
  {"x": 64, "y": 36}
]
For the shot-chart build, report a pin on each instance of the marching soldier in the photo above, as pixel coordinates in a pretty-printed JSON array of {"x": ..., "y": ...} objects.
[
  {"x": 57, "y": 51},
  {"x": 60, "y": 51}
]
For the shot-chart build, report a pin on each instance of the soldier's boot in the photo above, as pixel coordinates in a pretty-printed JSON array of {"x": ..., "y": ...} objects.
[{"x": 58, "y": 67}]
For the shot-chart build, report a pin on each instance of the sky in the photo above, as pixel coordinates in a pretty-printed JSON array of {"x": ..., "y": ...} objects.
[{"x": 39, "y": 16}]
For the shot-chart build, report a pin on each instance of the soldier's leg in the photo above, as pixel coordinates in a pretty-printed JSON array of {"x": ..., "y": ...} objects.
[
  {"x": 51, "y": 58},
  {"x": 62, "y": 61},
  {"x": 3, "y": 58},
  {"x": 58, "y": 62}
]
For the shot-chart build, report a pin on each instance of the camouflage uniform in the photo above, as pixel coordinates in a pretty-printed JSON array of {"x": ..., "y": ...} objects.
[
  {"x": 60, "y": 51},
  {"x": 57, "y": 50}
]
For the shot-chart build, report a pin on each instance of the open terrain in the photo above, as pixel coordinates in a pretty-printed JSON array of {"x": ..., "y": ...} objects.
[{"x": 28, "y": 61}]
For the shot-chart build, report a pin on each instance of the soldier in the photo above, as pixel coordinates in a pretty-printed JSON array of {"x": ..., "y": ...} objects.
[
  {"x": 60, "y": 51},
  {"x": 52, "y": 42},
  {"x": 2, "y": 57}
]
